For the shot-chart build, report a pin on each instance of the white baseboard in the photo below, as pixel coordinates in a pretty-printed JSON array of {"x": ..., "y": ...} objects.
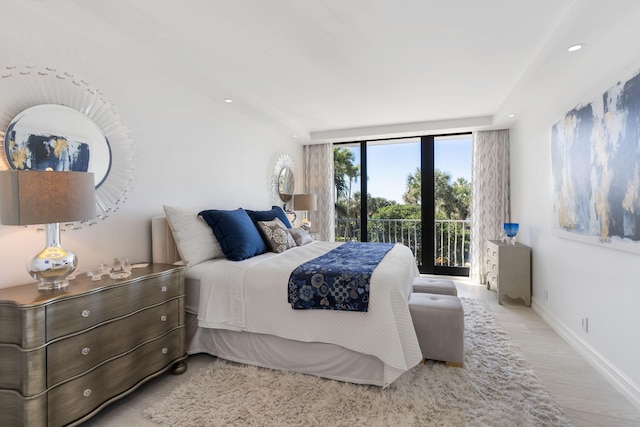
[{"x": 623, "y": 384}]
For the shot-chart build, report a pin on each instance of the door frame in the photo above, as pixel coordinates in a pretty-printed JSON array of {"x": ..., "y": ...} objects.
[{"x": 427, "y": 157}]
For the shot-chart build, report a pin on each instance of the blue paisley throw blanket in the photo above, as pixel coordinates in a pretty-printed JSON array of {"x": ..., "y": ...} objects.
[{"x": 337, "y": 280}]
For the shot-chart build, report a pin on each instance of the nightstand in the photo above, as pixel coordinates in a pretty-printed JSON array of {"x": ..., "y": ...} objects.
[
  {"x": 66, "y": 354},
  {"x": 508, "y": 269}
]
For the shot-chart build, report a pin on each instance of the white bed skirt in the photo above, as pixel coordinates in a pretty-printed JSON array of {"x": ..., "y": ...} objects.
[{"x": 269, "y": 351}]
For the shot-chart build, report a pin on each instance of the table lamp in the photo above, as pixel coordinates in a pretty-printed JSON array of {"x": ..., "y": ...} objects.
[
  {"x": 305, "y": 202},
  {"x": 30, "y": 197}
]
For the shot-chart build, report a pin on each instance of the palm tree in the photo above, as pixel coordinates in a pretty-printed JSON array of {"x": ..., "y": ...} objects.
[
  {"x": 462, "y": 192},
  {"x": 413, "y": 195},
  {"x": 452, "y": 200},
  {"x": 344, "y": 167},
  {"x": 342, "y": 157},
  {"x": 444, "y": 197}
]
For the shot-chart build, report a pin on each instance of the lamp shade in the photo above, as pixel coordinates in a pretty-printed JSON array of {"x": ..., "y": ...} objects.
[
  {"x": 305, "y": 202},
  {"x": 44, "y": 197}
]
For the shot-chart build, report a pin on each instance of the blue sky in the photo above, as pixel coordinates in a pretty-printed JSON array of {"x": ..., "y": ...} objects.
[{"x": 389, "y": 165}]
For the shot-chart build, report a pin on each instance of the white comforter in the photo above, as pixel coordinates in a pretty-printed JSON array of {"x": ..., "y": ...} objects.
[{"x": 251, "y": 295}]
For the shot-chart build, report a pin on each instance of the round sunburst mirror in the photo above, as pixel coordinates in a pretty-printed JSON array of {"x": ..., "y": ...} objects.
[
  {"x": 282, "y": 180},
  {"x": 50, "y": 119}
]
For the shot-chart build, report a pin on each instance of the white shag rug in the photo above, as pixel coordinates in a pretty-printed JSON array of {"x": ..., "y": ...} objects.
[{"x": 496, "y": 387}]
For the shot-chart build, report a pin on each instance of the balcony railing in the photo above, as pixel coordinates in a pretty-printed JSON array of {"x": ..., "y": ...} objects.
[{"x": 452, "y": 237}]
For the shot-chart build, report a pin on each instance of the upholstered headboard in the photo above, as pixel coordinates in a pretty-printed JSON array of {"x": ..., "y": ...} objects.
[{"x": 163, "y": 247}]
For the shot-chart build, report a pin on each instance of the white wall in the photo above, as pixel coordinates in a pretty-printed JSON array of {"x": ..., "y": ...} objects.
[
  {"x": 581, "y": 280},
  {"x": 192, "y": 150}
]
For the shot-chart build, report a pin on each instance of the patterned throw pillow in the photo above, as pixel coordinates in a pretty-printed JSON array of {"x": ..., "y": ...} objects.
[{"x": 276, "y": 235}]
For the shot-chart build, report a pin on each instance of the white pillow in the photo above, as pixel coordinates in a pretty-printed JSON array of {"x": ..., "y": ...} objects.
[{"x": 194, "y": 238}]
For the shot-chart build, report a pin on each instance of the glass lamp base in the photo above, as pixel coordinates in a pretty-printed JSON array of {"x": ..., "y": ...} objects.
[{"x": 52, "y": 266}]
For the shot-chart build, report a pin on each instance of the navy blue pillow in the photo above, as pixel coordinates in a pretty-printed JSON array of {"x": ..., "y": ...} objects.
[
  {"x": 275, "y": 212},
  {"x": 238, "y": 236}
]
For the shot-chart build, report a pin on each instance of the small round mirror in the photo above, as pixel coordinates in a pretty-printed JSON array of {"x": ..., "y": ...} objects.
[
  {"x": 286, "y": 184},
  {"x": 51, "y": 136}
]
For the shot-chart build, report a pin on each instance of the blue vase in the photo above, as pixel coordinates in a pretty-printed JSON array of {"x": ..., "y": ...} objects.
[{"x": 510, "y": 230}]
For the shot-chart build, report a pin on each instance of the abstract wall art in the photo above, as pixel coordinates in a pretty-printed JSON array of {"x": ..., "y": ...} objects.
[
  {"x": 45, "y": 151},
  {"x": 595, "y": 163}
]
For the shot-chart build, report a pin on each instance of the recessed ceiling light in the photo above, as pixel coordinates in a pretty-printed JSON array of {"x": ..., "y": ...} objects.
[
  {"x": 575, "y": 47},
  {"x": 511, "y": 116},
  {"x": 295, "y": 136},
  {"x": 228, "y": 100}
]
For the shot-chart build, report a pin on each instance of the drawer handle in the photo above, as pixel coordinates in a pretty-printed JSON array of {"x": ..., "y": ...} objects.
[
  {"x": 165, "y": 350},
  {"x": 163, "y": 289},
  {"x": 87, "y": 392},
  {"x": 494, "y": 254},
  {"x": 163, "y": 318},
  {"x": 86, "y": 313},
  {"x": 85, "y": 351}
]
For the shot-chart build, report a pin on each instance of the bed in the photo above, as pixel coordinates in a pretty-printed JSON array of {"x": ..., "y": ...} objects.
[{"x": 238, "y": 310}]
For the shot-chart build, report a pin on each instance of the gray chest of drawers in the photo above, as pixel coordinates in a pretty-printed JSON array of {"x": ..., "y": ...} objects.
[
  {"x": 508, "y": 269},
  {"x": 64, "y": 355}
]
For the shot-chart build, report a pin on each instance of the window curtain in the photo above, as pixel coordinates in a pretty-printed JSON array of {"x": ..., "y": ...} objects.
[
  {"x": 318, "y": 169},
  {"x": 490, "y": 200}
]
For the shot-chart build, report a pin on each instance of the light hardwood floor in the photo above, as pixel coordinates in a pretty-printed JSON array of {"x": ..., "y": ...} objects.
[
  {"x": 582, "y": 392},
  {"x": 584, "y": 395}
]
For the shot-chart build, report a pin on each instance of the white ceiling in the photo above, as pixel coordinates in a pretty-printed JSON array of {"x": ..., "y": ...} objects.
[{"x": 342, "y": 69}]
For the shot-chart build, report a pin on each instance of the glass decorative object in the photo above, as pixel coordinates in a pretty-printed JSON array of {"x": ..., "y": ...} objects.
[
  {"x": 121, "y": 268},
  {"x": 510, "y": 230},
  {"x": 97, "y": 274}
]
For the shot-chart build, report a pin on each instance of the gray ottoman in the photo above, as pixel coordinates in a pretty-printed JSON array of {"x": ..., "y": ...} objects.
[
  {"x": 439, "y": 324},
  {"x": 434, "y": 286}
]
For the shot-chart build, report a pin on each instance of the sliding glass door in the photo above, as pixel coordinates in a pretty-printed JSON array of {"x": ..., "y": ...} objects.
[
  {"x": 347, "y": 168},
  {"x": 449, "y": 199},
  {"x": 431, "y": 219},
  {"x": 394, "y": 212}
]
